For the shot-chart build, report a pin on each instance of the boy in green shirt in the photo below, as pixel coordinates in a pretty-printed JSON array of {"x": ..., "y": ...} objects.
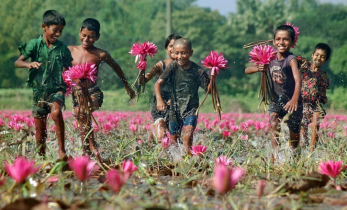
[{"x": 49, "y": 59}]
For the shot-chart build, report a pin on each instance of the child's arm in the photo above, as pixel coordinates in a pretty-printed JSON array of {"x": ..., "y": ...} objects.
[
  {"x": 292, "y": 105},
  {"x": 256, "y": 68},
  {"x": 21, "y": 63},
  {"x": 114, "y": 65},
  {"x": 160, "y": 103},
  {"x": 155, "y": 70}
]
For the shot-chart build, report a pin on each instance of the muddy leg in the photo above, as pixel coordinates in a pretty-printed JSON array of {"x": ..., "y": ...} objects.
[
  {"x": 275, "y": 129},
  {"x": 41, "y": 134}
]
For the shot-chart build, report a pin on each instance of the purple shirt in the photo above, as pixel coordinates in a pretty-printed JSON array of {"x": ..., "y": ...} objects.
[{"x": 281, "y": 79}]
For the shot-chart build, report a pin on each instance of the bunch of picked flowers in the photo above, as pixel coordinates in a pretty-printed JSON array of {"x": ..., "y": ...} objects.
[
  {"x": 82, "y": 73},
  {"x": 263, "y": 54},
  {"x": 141, "y": 51},
  {"x": 214, "y": 62}
]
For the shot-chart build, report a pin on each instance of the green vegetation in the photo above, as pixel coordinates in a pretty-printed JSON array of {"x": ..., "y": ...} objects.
[{"x": 125, "y": 22}]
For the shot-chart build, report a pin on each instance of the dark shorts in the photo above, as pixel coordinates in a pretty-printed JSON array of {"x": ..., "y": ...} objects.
[
  {"x": 156, "y": 114},
  {"x": 94, "y": 92},
  {"x": 43, "y": 101},
  {"x": 294, "y": 119},
  {"x": 309, "y": 110},
  {"x": 175, "y": 127}
]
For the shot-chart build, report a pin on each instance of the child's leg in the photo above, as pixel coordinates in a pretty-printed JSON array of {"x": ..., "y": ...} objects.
[
  {"x": 190, "y": 124},
  {"x": 41, "y": 134},
  {"x": 175, "y": 131},
  {"x": 57, "y": 116},
  {"x": 84, "y": 129},
  {"x": 315, "y": 128},
  {"x": 303, "y": 135},
  {"x": 275, "y": 129},
  {"x": 161, "y": 127}
]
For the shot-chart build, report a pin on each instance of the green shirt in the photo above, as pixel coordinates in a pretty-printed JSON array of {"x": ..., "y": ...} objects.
[
  {"x": 48, "y": 78},
  {"x": 184, "y": 91}
]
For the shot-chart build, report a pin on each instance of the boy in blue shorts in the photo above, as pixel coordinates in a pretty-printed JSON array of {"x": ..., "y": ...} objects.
[
  {"x": 49, "y": 58},
  {"x": 285, "y": 83},
  {"x": 186, "y": 77}
]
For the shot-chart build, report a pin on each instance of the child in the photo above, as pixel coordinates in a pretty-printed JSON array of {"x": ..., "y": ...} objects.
[
  {"x": 314, "y": 84},
  {"x": 160, "y": 118},
  {"x": 185, "y": 78},
  {"x": 87, "y": 52},
  {"x": 49, "y": 58},
  {"x": 285, "y": 83}
]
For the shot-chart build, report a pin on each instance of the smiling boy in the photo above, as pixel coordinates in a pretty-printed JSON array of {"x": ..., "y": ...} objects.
[
  {"x": 186, "y": 77},
  {"x": 49, "y": 58},
  {"x": 87, "y": 52},
  {"x": 285, "y": 83},
  {"x": 315, "y": 82}
]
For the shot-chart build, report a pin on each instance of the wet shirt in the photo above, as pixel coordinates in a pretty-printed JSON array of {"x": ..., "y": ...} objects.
[
  {"x": 314, "y": 82},
  {"x": 184, "y": 91},
  {"x": 48, "y": 77},
  {"x": 281, "y": 79}
]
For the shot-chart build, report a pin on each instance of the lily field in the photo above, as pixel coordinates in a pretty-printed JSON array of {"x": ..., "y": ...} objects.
[{"x": 229, "y": 169}]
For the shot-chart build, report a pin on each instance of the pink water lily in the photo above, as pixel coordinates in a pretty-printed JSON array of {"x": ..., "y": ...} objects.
[
  {"x": 129, "y": 167},
  {"x": 165, "y": 142},
  {"x": 79, "y": 71},
  {"x": 198, "y": 150},
  {"x": 215, "y": 62},
  {"x": 262, "y": 54},
  {"x": 115, "y": 180},
  {"x": 223, "y": 160},
  {"x": 141, "y": 51},
  {"x": 83, "y": 167},
  {"x": 225, "y": 179},
  {"x": 331, "y": 168},
  {"x": 21, "y": 169},
  {"x": 297, "y": 33}
]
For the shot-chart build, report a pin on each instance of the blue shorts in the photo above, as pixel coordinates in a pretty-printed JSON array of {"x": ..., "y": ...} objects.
[{"x": 175, "y": 127}]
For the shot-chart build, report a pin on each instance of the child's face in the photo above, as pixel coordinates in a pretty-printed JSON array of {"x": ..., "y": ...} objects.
[
  {"x": 182, "y": 54},
  {"x": 319, "y": 57},
  {"x": 88, "y": 38},
  {"x": 53, "y": 32},
  {"x": 169, "y": 49},
  {"x": 282, "y": 41}
]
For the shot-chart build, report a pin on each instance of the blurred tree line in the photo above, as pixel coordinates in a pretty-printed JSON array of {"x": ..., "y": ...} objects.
[{"x": 124, "y": 22}]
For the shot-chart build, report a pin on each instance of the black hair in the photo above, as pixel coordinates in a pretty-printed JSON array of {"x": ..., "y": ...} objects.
[
  {"x": 287, "y": 28},
  {"x": 171, "y": 37},
  {"x": 52, "y": 17},
  {"x": 185, "y": 42},
  {"x": 323, "y": 46},
  {"x": 92, "y": 25}
]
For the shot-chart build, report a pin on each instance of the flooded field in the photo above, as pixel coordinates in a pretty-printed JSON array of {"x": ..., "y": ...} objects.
[{"x": 170, "y": 179}]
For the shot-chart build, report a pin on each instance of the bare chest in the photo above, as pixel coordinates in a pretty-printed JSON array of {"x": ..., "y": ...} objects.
[{"x": 83, "y": 57}]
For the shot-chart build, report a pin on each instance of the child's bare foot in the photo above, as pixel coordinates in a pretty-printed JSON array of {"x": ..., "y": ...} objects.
[{"x": 62, "y": 154}]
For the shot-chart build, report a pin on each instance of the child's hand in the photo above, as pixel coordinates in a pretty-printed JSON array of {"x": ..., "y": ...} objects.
[
  {"x": 130, "y": 92},
  {"x": 262, "y": 67},
  {"x": 161, "y": 106},
  {"x": 291, "y": 106},
  {"x": 34, "y": 65}
]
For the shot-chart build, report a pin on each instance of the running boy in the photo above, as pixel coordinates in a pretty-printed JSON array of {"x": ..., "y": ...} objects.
[
  {"x": 49, "y": 58},
  {"x": 315, "y": 81},
  {"x": 185, "y": 78},
  {"x": 161, "y": 118},
  {"x": 285, "y": 82},
  {"x": 87, "y": 52}
]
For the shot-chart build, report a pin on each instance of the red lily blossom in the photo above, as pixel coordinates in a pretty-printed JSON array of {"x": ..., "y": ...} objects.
[
  {"x": 115, "y": 180},
  {"x": 83, "y": 167},
  {"x": 224, "y": 161},
  {"x": 331, "y": 168},
  {"x": 262, "y": 54},
  {"x": 198, "y": 150},
  {"x": 215, "y": 62},
  {"x": 21, "y": 169},
  {"x": 225, "y": 179},
  {"x": 297, "y": 33}
]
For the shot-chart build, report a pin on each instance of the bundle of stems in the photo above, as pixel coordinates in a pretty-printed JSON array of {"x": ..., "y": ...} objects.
[
  {"x": 85, "y": 104},
  {"x": 140, "y": 80},
  {"x": 265, "y": 91},
  {"x": 215, "y": 61},
  {"x": 252, "y": 44}
]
